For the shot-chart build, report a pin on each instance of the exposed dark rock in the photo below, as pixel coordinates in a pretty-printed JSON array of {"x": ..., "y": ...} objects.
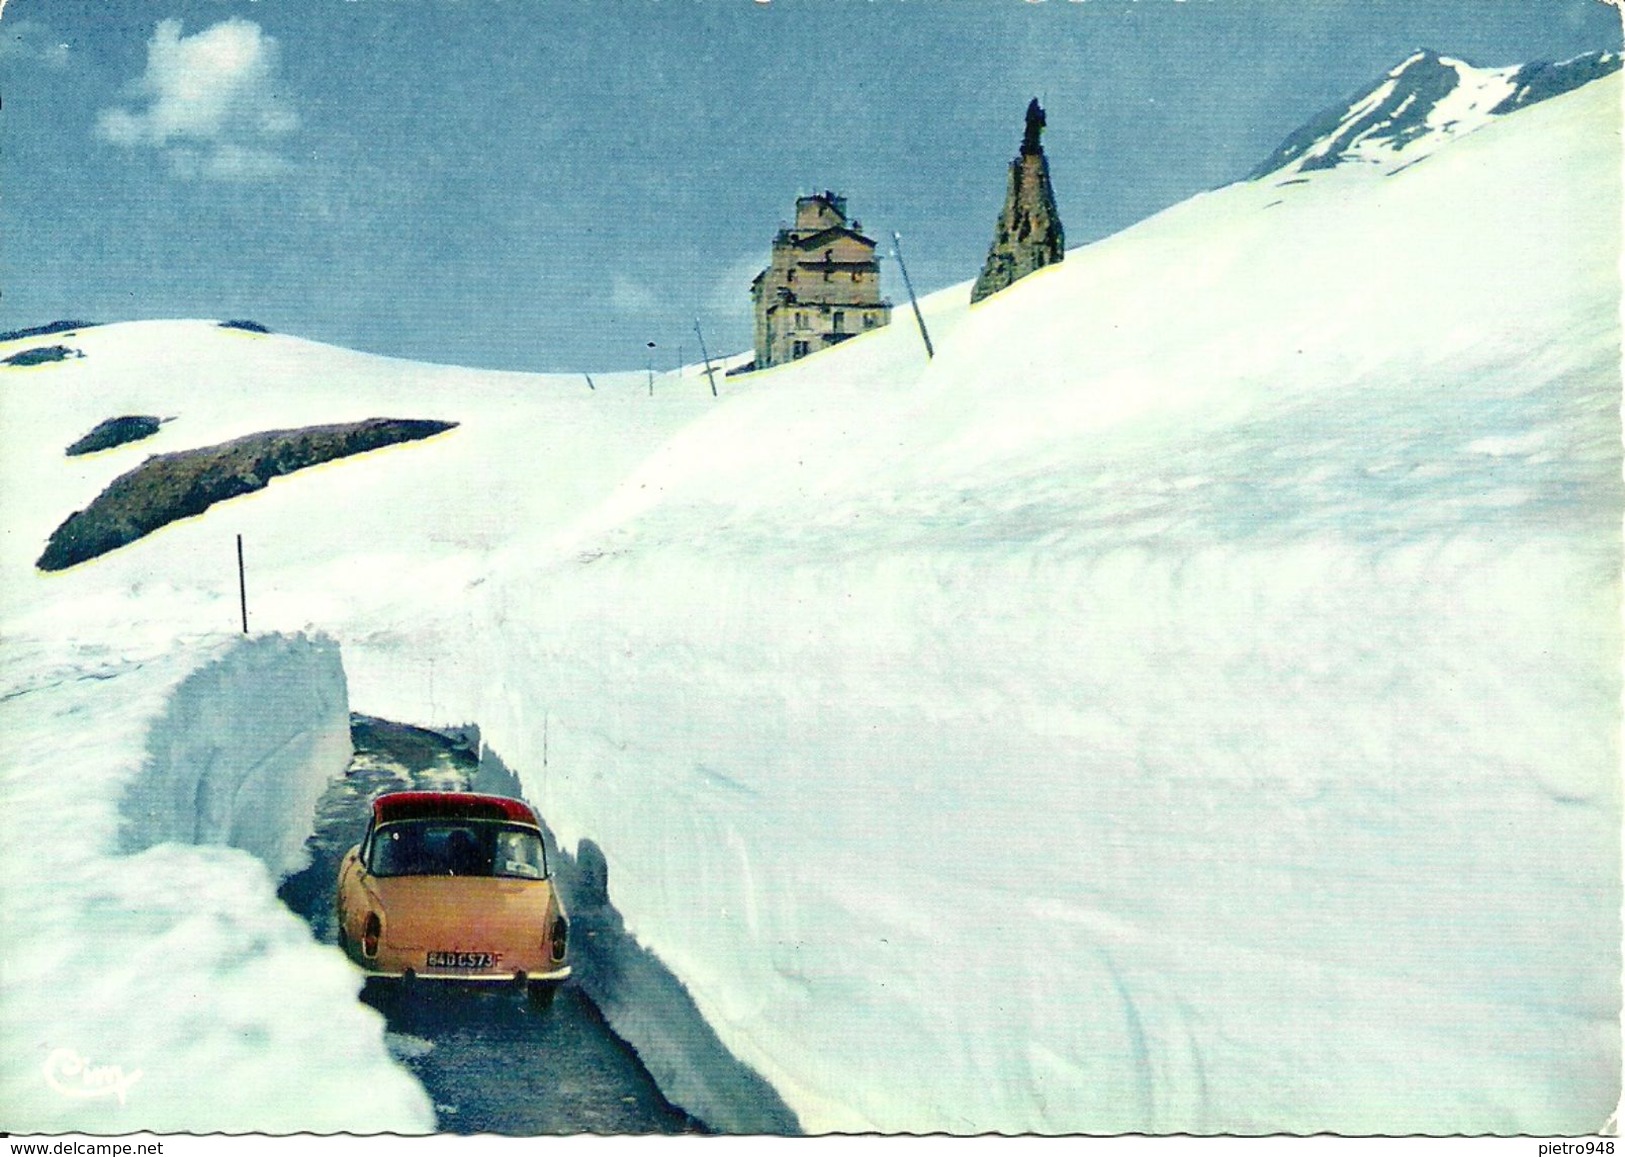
[
  {"x": 1538, "y": 81},
  {"x": 1028, "y": 235},
  {"x": 116, "y": 432},
  {"x": 48, "y": 328},
  {"x": 40, "y": 355},
  {"x": 170, "y": 486},
  {"x": 1419, "y": 84},
  {"x": 1415, "y": 90},
  {"x": 244, "y": 324}
]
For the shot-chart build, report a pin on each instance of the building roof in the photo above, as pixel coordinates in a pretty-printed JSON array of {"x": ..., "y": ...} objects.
[
  {"x": 823, "y": 236},
  {"x": 832, "y": 199},
  {"x": 831, "y": 203}
]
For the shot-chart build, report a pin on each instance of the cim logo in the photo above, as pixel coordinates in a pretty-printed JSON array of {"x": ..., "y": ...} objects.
[{"x": 74, "y": 1076}]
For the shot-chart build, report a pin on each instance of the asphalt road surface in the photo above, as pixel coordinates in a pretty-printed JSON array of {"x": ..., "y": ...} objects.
[{"x": 491, "y": 1063}]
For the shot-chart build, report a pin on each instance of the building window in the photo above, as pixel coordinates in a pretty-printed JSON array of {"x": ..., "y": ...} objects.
[
  {"x": 801, "y": 321},
  {"x": 840, "y": 322},
  {"x": 792, "y": 275},
  {"x": 799, "y": 349},
  {"x": 868, "y": 321}
]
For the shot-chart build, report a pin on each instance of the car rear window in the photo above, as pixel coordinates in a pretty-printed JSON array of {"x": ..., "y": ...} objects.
[{"x": 457, "y": 847}]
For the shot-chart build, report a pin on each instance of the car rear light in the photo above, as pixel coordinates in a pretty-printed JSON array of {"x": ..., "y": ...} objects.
[
  {"x": 370, "y": 934},
  {"x": 560, "y": 938}
]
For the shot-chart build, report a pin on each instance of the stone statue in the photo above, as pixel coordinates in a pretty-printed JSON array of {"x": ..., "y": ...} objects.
[
  {"x": 1028, "y": 234},
  {"x": 1035, "y": 125}
]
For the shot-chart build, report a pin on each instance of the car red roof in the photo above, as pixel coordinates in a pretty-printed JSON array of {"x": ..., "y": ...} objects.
[{"x": 410, "y": 805}]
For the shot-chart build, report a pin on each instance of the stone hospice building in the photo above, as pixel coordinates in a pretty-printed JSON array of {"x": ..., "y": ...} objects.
[{"x": 821, "y": 286}]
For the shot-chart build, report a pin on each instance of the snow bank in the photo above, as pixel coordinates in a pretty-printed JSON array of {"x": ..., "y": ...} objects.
[
  {"x": 1222, "y": 841},
  {"x": 244, "y": 751},
  {"x": 168, "y": 989},
  {"x": 644, "y": 1002}
]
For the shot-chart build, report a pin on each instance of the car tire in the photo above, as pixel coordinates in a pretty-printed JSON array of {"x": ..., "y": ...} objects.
[{"x": 540, "y": 995}]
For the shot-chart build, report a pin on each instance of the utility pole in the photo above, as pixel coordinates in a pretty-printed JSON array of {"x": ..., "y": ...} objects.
[
  {"x": 649, "y": 364},
  {"x": 712, "y": 377},
  {"x": 590, "y": 386},
  {"x": 242, "y": 584},
  {"x": 897, "y": 252}
]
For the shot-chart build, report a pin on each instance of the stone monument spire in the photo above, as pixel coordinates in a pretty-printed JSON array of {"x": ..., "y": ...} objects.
[
  {"x": 1028, "y": 235},
  {"x": 1035, "y": 125}
]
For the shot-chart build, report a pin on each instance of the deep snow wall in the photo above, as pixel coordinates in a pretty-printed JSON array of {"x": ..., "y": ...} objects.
[
  {"x": 1191, "y": 703},
  {"x": 244, "y": 750},
  {"x": 1220, "y": 841},
  {"x": 642, "y": 1000},
  {"x": 148, "y": 940}
]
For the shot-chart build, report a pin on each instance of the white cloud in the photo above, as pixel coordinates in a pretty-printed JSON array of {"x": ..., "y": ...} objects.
[
  {"x": 227, "y": 162},
  {"x": 28, "y": 40},
  {"x": 213, "y": 101},
  {"x": 631, "y": 296},
  {"x": 730, "y": 293}
]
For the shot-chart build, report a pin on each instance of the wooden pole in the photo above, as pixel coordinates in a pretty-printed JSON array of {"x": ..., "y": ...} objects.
[
  {"x": 897, "y": 252},
  {"x": 242, "y": 584},
  {"x": 706, "y": 356}
]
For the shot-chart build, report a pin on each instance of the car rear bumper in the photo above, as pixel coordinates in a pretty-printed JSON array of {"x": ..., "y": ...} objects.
[{"x": 552, "y": 976}]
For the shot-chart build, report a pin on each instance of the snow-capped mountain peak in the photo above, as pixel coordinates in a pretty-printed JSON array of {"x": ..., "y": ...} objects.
[{"x": 1423, "y": 103}]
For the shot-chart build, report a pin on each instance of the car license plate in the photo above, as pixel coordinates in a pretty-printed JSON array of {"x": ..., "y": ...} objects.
[{"x": 459, "y": 960}]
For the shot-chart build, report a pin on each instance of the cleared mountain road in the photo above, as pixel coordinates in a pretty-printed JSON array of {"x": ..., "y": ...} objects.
[{"x": 490, "y": 1063}]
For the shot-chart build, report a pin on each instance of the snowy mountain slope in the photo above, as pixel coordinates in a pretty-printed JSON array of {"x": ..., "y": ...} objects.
[
  {"x": 1161, "y": 691},
  {"x": 1423, "y": 104},
  {"x": 1156, "y": 712}
]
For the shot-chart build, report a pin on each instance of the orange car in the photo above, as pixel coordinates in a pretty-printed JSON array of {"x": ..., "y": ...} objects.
[{"x": 453, "y": 886}]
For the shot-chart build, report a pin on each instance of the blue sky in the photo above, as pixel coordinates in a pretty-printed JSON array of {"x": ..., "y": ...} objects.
[{"x": 551, "y": 184}]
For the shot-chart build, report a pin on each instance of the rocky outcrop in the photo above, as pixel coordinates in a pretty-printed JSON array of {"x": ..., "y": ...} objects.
[
  {"x": 42, "y": 355},
  {"x": 170, "y": 486},
  {"x": 116, "y": 432},
  {"x": 1028, "y": 235}
]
